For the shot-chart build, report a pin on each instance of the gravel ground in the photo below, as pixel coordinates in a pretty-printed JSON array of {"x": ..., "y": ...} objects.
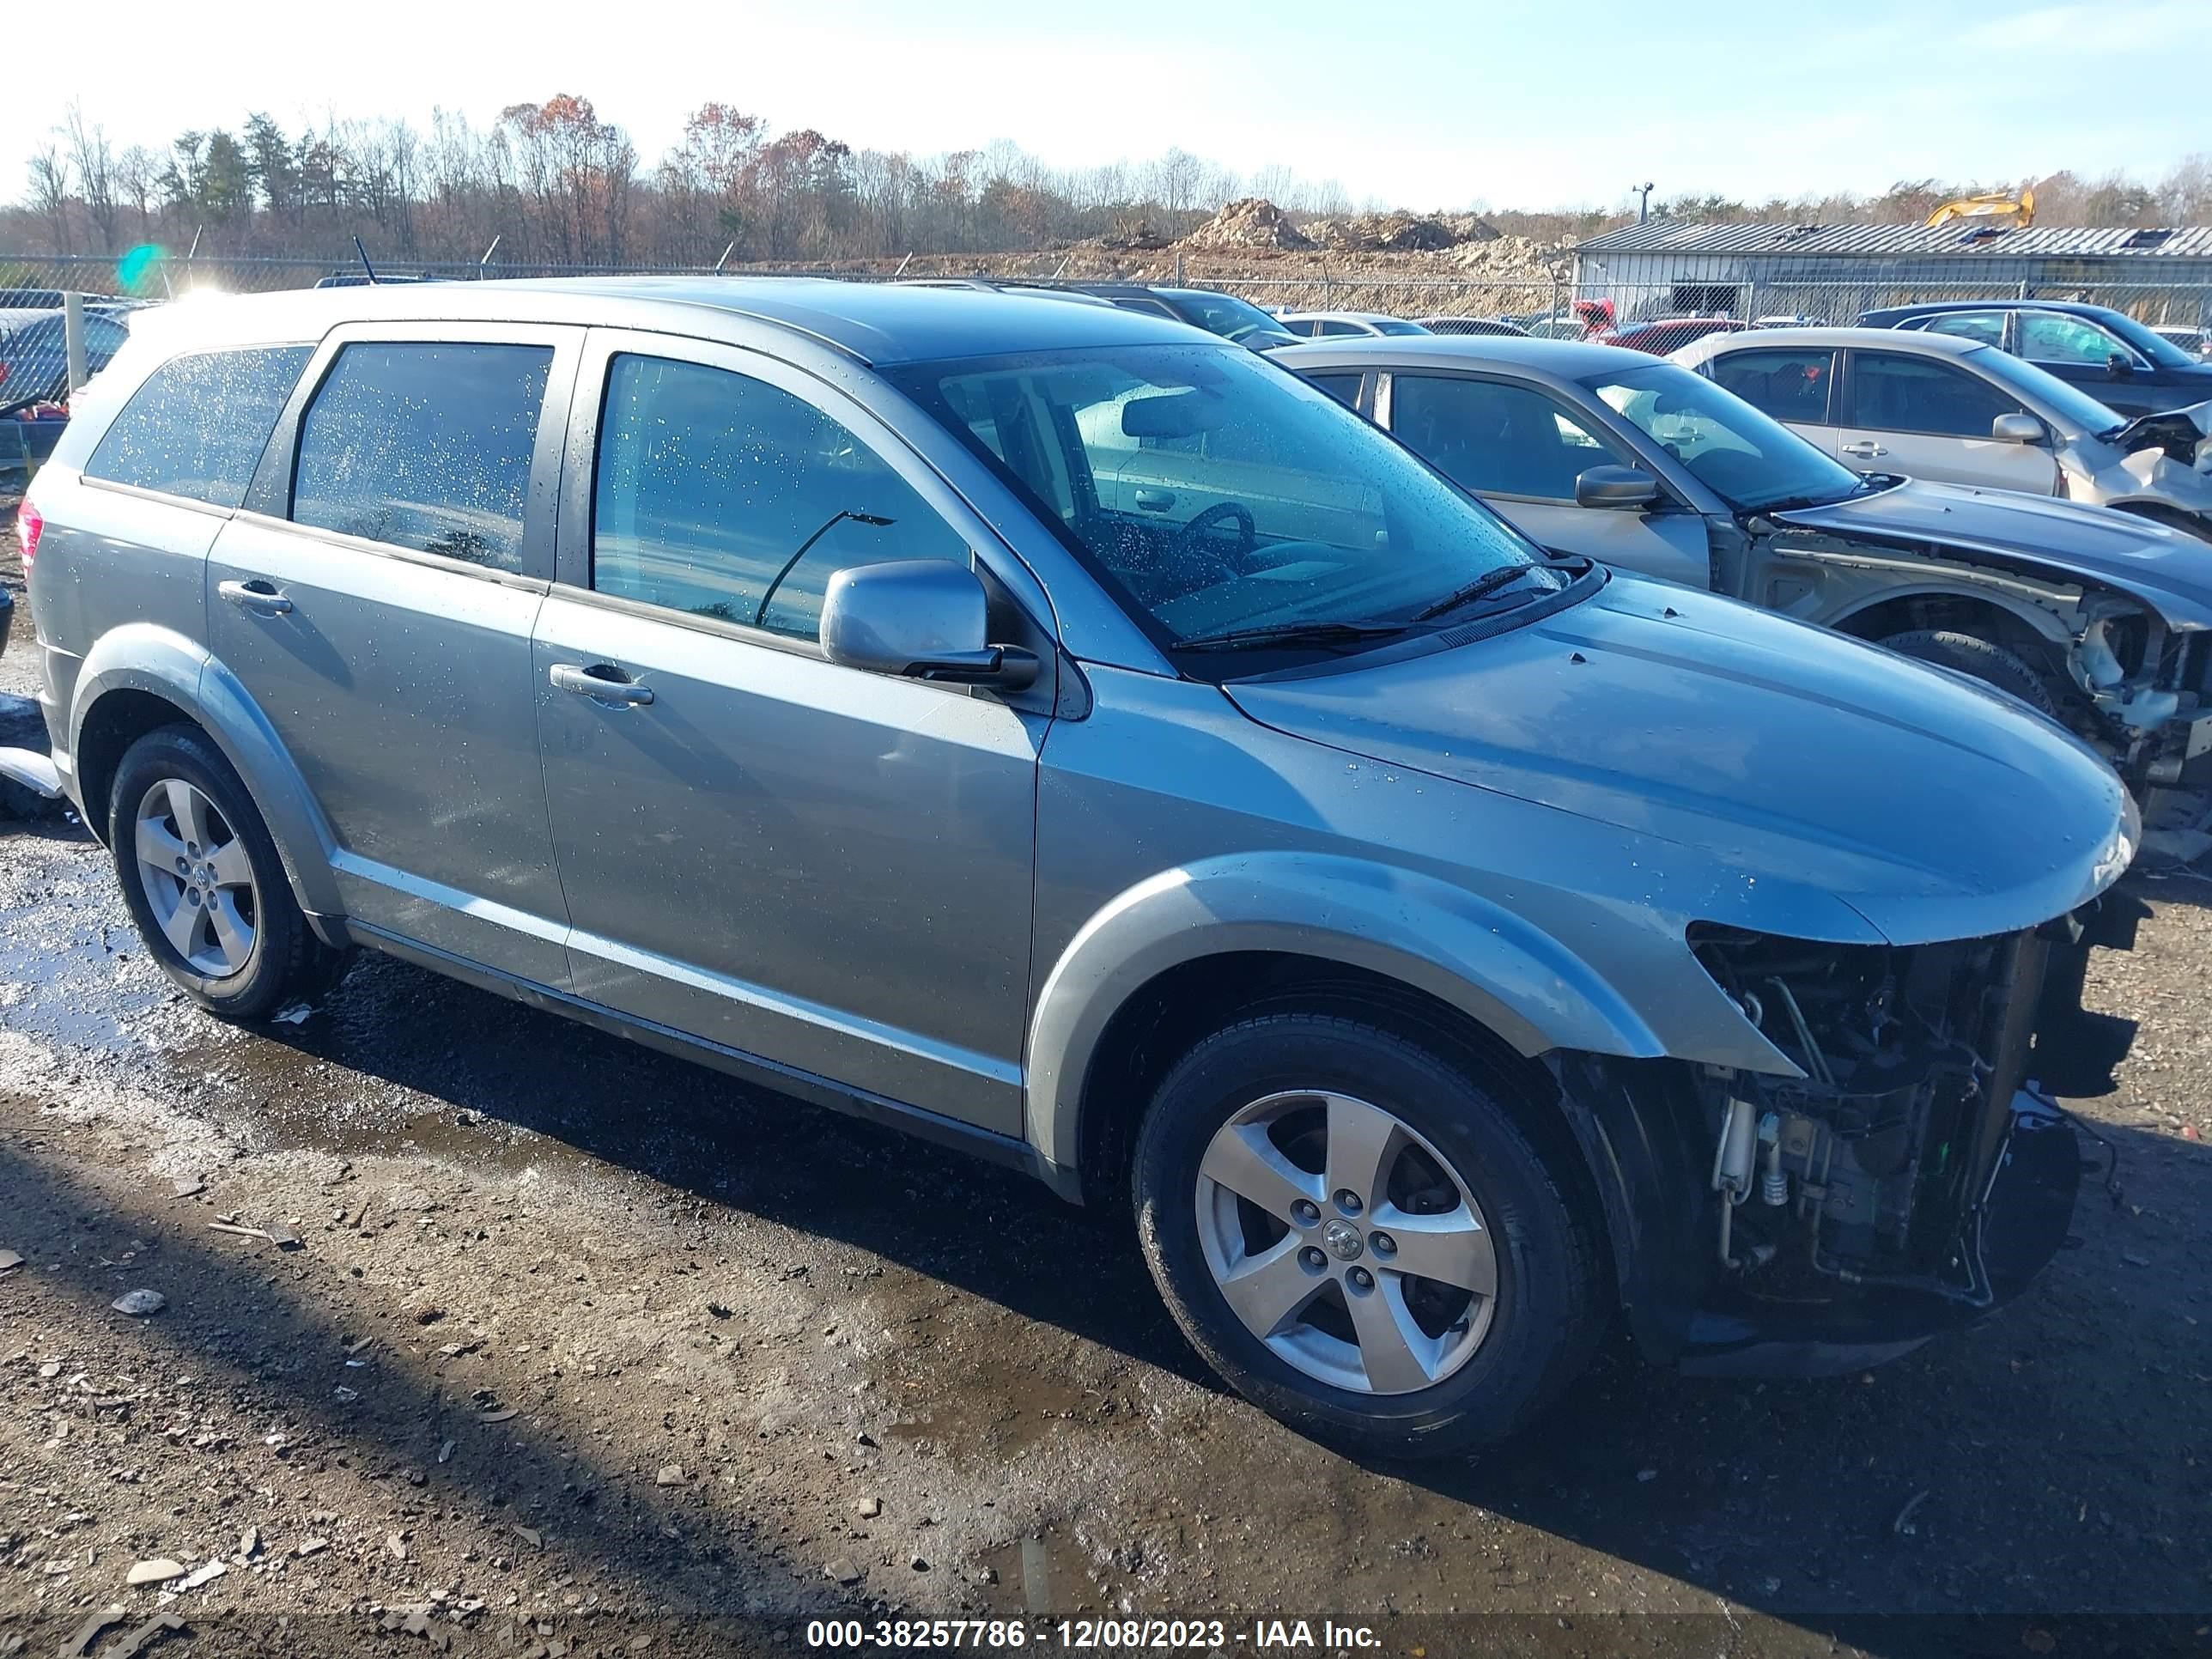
[{"x": 562, "y": 1347}]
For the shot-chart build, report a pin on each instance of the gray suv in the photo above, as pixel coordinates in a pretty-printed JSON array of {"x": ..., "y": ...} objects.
[{"x": 1444, "y": 949}]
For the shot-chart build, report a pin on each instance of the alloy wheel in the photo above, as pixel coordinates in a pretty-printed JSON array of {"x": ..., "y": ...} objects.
[
  {"x": 1344, "y": 1241},
  {"x": 197, "y": 879}
]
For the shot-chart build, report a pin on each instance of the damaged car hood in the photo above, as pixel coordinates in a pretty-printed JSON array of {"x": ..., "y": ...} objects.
[
  {"x": 2179, "y": 432},
  {"x": 2169, "y": 569},
  {"x": 1760, "y": 747}
]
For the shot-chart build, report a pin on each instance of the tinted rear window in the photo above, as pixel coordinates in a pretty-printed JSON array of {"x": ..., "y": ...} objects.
[
  {"x": 425, "y": 447},
  {"x": 197, "y": 426}
]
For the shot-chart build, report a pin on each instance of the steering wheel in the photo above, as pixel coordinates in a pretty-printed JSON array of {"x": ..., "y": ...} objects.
[{"x": 1193, "y": 541}]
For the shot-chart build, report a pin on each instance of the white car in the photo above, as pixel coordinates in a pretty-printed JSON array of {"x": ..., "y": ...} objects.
[
  {"x": 2197, "y": 342},
  {"x": 1332, "y": 325},
  {"x": 1953, "y": 410}
]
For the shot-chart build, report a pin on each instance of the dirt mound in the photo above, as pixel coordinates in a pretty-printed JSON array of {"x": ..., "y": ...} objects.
[
  {"x": 1509, "y": 252},
  {"x": 1399, "y": 233},
  {"x": 1139, "y": 234},
  {"x": 1250, "y": 222}
]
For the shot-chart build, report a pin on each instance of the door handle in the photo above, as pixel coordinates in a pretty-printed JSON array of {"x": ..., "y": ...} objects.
[
  {"x": 1866, "y": 449},
  {"x": 602, "y": 681},
  {"x": 258, "y": 596},
  {"x": 1155, "y": 500}
]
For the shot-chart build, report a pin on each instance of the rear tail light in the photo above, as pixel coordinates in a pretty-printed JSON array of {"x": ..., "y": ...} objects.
[
  {"x": 3, "y": 374},
  {"x": 29, "y": 524}
]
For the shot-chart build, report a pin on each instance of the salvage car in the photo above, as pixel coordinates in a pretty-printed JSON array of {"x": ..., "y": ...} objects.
[
  {"x": 1333, "y": 324},
  {"x": 1439, "y": 947},
  {"x": 2108, "y": 353},
  {"x": 1670, "y": 334},
  {"x": 1951, "y": 412},
  {"x": 2096, "y": 618},
  {"x": 1223, "y": 314}
]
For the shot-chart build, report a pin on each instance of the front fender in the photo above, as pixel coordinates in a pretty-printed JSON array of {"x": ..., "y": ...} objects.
[
  {"x": 141, "y": 657},
  {"x": 1517, "y": 981}
]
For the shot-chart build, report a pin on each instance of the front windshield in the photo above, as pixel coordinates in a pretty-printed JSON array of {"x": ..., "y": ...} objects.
[
  {"x": 2069, "y": 402},
  {"x": 1225, "y": 315},
  {"x": 1396, "y": 326},
  {"x": 2153, "y": 345},
  {"x": 1749, "y": 461},
  {"x": 1222, "y": 497}
]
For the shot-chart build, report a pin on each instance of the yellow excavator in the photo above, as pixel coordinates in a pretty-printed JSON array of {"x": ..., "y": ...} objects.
[{"x": 2012, "y": 211}]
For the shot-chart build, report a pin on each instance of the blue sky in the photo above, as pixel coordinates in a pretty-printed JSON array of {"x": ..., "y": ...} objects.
[{"x": 1428, "y": 104}]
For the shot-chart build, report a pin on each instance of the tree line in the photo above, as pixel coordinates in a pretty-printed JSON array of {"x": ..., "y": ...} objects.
[{"x": 558, "y": 184}]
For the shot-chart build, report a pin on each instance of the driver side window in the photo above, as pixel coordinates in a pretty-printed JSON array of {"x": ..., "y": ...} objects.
[
  {"x": 2050, "y": 336},
  {"x": 720, "y": 496}
]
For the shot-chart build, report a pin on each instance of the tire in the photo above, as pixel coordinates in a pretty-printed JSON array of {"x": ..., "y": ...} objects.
[
  {"x": 1478, "y": 1375},
  {"x": 1983, "y": 660},
  {"x": 251, "y": 951}
]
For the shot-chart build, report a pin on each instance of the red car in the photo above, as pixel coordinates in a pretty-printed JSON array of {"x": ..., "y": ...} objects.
[{"x": 1671, "y": 333}]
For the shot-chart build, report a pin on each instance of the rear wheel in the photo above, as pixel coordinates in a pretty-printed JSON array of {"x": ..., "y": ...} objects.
[
  {"x": 1983, "y": 659},
  {"x": 1364, "y": 1239},
  {"x": 203, "y": 883}
]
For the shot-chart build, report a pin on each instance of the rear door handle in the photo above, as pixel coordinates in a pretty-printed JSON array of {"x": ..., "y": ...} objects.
[
  {"x": 1155, "y": 500},
  {"x": 258, "y": 596},
  {"x": 602, "y": 681},
  {"x": 1865, "y": 450}
]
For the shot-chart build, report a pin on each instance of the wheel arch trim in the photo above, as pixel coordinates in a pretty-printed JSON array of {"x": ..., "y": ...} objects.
[
  {"x": 1509, "y": 977},
  {"x": 165, "y": 663}
]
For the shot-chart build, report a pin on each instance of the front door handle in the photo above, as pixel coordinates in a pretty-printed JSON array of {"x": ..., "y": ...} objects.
[
  {"x": 1155, "y": 500},
  {"x": 258, "y": 596},
  {"x": 602, "y": 681},
  {"x": 1866, "y": 449}
]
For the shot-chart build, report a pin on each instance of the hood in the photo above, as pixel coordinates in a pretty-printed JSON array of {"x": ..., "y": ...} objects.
[
  {"x": 1756, "y": 746},
  {"x": 2179, "y": 432},
  {"x": 2169, "y": 569}
]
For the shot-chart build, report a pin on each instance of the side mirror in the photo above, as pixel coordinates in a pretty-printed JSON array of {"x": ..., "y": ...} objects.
[
  {"x": 923, "y": 619},
  {"x": 1627, "y": 487},
  {"x": 2119, "y": 366},
  {"x": 2016, "y": 428}
]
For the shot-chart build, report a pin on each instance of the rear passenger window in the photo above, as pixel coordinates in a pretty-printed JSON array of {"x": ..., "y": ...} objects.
[
  {"x": 197, "y": 426},
  {"x": 724, "y": 496},
  {"x": 1345, "y": 388},
  {"x": 1790, "y": 386},
  {"x": 425, "y": 447}
]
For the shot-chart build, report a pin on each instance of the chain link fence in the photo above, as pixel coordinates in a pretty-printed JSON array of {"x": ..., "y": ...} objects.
[
  {"x": 38, "y": 283},
  {"x": 1659, "y": 315}
]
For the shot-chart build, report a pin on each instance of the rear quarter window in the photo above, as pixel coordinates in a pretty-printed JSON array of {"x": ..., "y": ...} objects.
[{"x": 196, "y": 427}]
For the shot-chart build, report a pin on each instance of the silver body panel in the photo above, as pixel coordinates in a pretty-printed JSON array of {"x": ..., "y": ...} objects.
[{"x": 933, "y": 899}]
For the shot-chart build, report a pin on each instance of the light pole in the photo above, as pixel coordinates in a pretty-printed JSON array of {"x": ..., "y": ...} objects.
[{"x": 1643, "y": 202}]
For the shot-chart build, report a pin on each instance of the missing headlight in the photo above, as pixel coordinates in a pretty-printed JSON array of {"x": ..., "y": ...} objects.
[{"x": 1870, "y": 1166}]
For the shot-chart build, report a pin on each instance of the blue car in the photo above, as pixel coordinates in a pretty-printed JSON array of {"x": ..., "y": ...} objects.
[{"x": 2129, "y": 367}]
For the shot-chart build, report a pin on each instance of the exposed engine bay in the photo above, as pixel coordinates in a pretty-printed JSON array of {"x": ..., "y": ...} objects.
[{"x": 1874, "y": 1167}]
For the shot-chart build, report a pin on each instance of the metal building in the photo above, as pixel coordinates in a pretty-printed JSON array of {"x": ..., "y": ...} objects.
[{"x": 1830, "y": 273}]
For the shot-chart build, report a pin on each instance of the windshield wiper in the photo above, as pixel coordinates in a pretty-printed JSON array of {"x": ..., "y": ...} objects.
[
  {"x": 1489, "y": 582},
  {"x": 1291, "y": 634}
]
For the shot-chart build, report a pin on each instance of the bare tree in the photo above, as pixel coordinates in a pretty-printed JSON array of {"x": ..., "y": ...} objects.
[
  {"x": 94, "y": 161},
  {"x": 50, "y": 192},
  {"x": 137, "y": 178}
]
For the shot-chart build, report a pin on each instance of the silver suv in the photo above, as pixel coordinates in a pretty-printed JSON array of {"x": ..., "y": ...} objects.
[{"x": 1070, "y": 736}]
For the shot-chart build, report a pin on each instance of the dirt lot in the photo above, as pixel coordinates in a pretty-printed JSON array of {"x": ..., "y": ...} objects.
[{"x": 581, "y": 1350}]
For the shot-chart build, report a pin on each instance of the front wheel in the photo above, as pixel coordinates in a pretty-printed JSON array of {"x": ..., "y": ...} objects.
[
  {"x": 1978, "y": 658},
  {"x": 1363, "y": 1239}
]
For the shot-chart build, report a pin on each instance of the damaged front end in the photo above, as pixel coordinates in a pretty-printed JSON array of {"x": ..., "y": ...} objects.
[{"x": 1912, "y": 1176}]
